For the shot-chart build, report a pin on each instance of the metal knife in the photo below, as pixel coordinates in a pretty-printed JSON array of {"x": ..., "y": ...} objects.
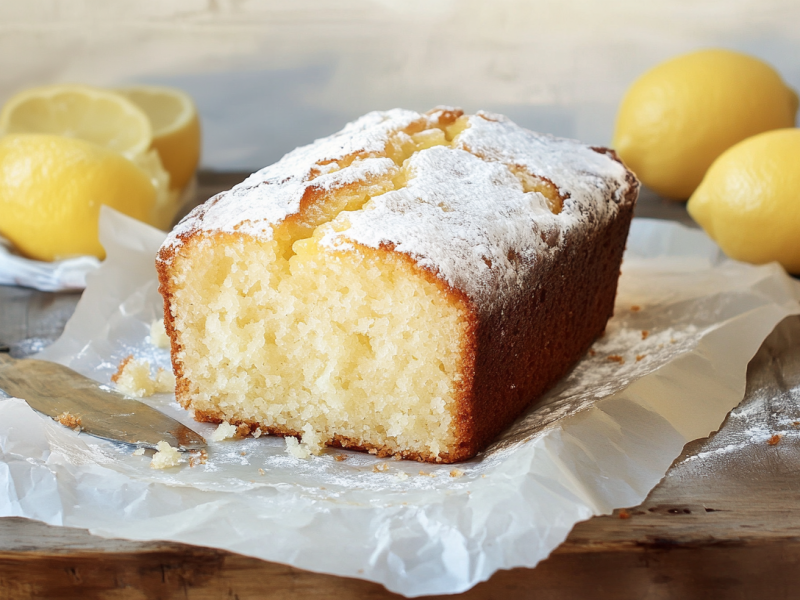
[{"x": 54, "y": 389}]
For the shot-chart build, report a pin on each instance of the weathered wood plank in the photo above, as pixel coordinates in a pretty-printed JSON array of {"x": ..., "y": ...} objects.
[{"x": 661, "y": 570}]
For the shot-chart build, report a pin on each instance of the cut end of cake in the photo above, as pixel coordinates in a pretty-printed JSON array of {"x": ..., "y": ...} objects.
[{"x": 357, "y": 349}]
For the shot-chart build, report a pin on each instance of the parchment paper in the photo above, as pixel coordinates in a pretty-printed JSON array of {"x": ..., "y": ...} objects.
[{"x": 670, "y": 367}]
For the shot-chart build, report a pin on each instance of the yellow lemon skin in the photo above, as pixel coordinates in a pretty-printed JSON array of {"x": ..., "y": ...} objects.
[
  {"x": 180, "y": 152},
  {"x": 176, "y": 128},
  {"x": 749, "y": 201},
  {"x": 681, "y": 115},
  {"x": 51, "y": 190}
]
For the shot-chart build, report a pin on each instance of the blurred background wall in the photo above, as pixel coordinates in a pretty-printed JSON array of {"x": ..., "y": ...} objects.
[{"x": 271, "y": 75}]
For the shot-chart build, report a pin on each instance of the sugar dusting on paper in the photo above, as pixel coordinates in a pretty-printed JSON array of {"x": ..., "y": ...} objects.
[{"x": 767, "y": 422}]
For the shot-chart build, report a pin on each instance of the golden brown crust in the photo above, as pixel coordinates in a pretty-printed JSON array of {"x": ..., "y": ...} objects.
[{"x": 528, "y": 347}]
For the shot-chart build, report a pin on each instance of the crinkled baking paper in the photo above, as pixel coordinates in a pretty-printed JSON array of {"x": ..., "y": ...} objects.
[{"x": 670, "y": 367}]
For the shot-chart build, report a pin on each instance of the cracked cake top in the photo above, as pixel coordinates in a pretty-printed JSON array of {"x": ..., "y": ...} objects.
[{"x": 475, "y": 199}]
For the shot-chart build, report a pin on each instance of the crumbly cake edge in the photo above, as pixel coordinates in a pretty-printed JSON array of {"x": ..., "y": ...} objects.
[{"x": 462, "y": 447}]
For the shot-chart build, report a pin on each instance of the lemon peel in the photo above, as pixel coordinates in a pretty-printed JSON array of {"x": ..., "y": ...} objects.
[
  {"x": 749, "y": 200},
  {"x": 176, "y": 128},
  {"x": 51, "y": 190},
  {"x": 681, "y": 115}
]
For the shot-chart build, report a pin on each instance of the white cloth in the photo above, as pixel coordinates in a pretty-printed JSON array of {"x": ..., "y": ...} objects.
[{"x": 57, "y": 276}]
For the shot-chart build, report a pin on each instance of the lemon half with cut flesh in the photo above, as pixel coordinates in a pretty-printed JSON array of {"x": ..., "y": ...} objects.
[
  {"x": 80, "y": 111},
  {"x": 176, "y": 128}
]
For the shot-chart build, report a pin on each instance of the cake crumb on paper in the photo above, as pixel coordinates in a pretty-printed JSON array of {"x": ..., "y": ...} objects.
[
  {"x": 261, "y": 472},
  {"x": 636, "y": 308},
  {"x": 340, "y": 457},
  {"x": 158, "y": 334},
  {"x": 310, "y": 443},
  {"x": 295, "y": 448},
  {"x": 165, "y": 457},
  {"x": 138, "y": 452},
  {"x": 165, "y": 381},
  {"x": 133, "y": 379},
  {"x": 645, "y": 334},
  {"x": 198, "y": 458},
  {"x": 380, "y": 468},
  {"x": 69, "y": 420},
  {"x": 456, "y": 473},
  {"x": 640, "y": 357},
  {"x": 774, "y": 440},
  {"x": 312, "y": 440},
  {"x": 224, "y": 431},
  {"x": 401, "y": 475},
  {"x": 424, "y": 474},
  {"x": 616, "y": 358}
]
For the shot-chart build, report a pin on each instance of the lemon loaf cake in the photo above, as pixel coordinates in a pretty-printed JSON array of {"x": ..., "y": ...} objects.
[{"x": 407, "y": 286}]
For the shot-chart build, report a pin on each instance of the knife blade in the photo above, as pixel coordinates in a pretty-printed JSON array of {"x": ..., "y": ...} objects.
[{"x": 53, "y": 389}]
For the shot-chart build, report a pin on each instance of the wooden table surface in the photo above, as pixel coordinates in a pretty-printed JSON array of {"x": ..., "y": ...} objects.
[{"x": 730, "y": 533}]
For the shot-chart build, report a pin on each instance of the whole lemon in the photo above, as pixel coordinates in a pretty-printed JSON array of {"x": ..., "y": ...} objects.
[
  {"x": 51, "y": 190},
  {"x": 749, "y": 201},
  {"x": 678, "y": 117}
]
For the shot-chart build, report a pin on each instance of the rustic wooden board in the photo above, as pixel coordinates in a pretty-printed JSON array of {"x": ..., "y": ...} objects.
[{"x": 729, "y": 533}]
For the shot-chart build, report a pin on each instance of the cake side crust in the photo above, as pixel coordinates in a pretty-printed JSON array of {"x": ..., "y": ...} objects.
[{"x": 528, "y": 348}]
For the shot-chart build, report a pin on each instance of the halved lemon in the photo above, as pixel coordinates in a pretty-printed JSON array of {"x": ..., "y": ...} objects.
[
  {"x": 176, "y": 128},
  {"x": 83, "y": 112}
]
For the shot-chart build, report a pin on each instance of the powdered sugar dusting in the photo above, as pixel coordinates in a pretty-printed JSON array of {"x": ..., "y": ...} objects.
[
  {"x": 466, "y": 217},
  {"x": 767, "y": 422},
  {"x": 273, "y": 193},
  {"x": 462, "y": 215},
  {"x": 588, "y": 176}
]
